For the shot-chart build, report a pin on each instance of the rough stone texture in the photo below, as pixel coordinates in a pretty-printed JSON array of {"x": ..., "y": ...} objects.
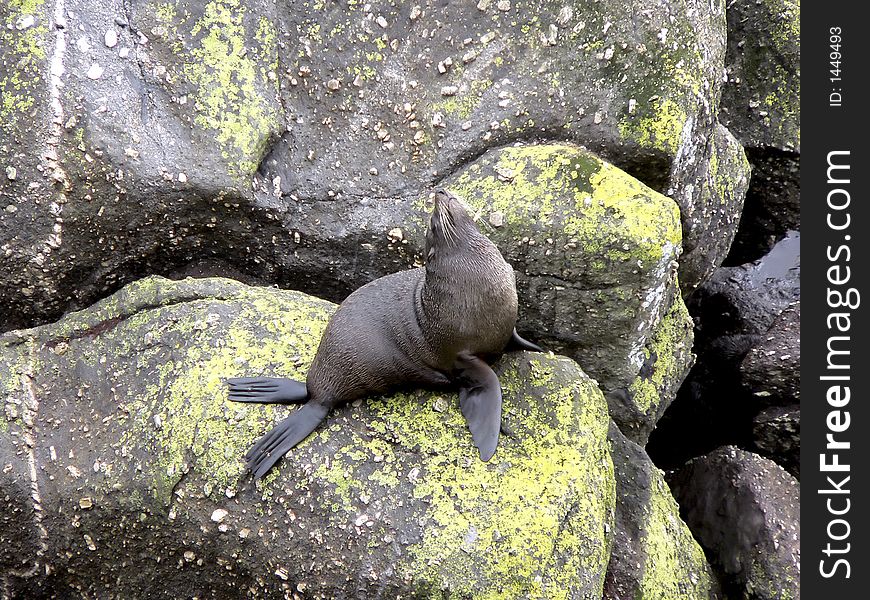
[
  {"x": 777, "y": 435},
  {"x": 134, "y": 459},
  {"x": 733, "y": 311},
  {"x": 141, "y": 148},
  {"x": 668, "y": 358},
  {"x": 654, "y": 553},
  {"x": 771, "y": 371},
  {"x": 271, "y": 137},
  {"x": 772, "y": 208},
  {"x": 711, "y": 200},
  {"x": 761, "y": 107},
  {"x": 745, "y": 511},
  {"x": 761, "y": 99},
  {"x": 594, "y": 249}
]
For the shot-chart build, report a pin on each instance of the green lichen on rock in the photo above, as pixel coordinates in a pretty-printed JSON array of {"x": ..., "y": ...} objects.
[
  {"x": 199, "y": 428},
  {"x": 762, "y": 95},
  {"x": 231, "y": 58},
  {"x": 605, "y": 211},
  {"x": 516, "y": 509},
  {"x": 667, "y": 359},
  {"x": 675, "y": 565},
  {"x": 655, "y": 556},
  {"x": 152, "y": 434},
  {"x": 23, "y": 41},
  {"x": 661, "y": 128}
]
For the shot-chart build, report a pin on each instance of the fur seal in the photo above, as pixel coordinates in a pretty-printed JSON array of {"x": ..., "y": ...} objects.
[{"x": 427, "y": 327}]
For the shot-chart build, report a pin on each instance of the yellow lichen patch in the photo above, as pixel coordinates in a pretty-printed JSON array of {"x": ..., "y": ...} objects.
[
  {"x": 536, "y": 513},
  {"x": 671, "y": 339},
  {"x": 463, "y": 103},
  {"x": 675, "y": 565},
  {"x": 661, "y": 128},
  {"x": 23, "y": 39},
  {"x": 597, "y": 206},
  {"x": 199, "y": 427},
  {"x": 230, "y": 81}
]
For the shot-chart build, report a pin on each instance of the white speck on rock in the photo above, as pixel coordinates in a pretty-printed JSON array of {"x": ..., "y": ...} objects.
[
  {"x": 95, "y": 72},
  {"x": 25, "y": 22},
  {"x": 219, "y": 515},
  {"x": 111, "y": 38},
  {"x": 382, "y": 22}
]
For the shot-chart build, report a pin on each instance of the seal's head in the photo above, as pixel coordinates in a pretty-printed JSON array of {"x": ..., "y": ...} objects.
[{"x": 451, "y": 228}]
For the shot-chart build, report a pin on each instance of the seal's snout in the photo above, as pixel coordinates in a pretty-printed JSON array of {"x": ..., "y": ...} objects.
[{"x": 442, "y": 196}]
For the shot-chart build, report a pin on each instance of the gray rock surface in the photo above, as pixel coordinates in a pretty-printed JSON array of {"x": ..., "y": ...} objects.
[
  {"x": 761, "y": 107},
  {"x": 654, "y": 553},
  {"x": 122, "y": 460},
  {"x": 271, "y": 137},
  {"x": 745, "y": 512},
  {"x": 776, "y": 434},
  {"x": 771, "y": 370}
]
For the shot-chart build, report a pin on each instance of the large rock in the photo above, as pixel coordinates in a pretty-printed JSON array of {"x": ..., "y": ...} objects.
[
  {"x": 745, "y": 511},
  {"x": 771, "y": 373},
  {"x": 654, "y": 553},
  {"x": 761, "y": 107},
  {"x": 733, "y": 312},
  {"x": 594, "y": 249},
  {"x": 710, "y": 194},
  {"x": 667, "y": 360},
  {"x": 771, "y": 370},
  {"x": 122, "y": 458},
  {"x": 776, "y": 434},
  {"x": 275, "y": 138}
]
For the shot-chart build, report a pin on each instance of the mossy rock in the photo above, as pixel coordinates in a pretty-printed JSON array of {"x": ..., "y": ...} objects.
[
  {"x": 668, "y": 358},
  {"x": 136, "y": 452},
  {"x": 256, "y": 134},
  {"x": 761, "y": 99},
  {"x": 654, "y": 556},
  {"x": 594, "y": 249},
  {"x": 711, "y": 204}
]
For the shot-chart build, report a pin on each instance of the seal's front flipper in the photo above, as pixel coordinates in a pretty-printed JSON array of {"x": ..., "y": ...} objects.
[
  {"x": 276, "y": 443},
  {"x": 480, "y": 401},
  {"x": 518, "y": 343},
  {"x": 267, "y": 390}
]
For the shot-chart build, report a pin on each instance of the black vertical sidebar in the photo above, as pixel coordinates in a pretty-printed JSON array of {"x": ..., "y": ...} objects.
[{"x": 835, "y": 345}]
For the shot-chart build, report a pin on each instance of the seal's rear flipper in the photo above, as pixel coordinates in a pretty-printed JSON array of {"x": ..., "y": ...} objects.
[
  {"x": 518, "y": 343},
  {"x": 267, "y": 390},
  {"x": 480, "y": 401},
  {"x": 271, "y": 447}
]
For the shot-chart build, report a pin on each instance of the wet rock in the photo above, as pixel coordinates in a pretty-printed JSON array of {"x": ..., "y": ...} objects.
[
  {"x": 745, "y": 512},
  {"x": 771, "y": 369},
  {"x": 772, "y": 206},
  {"x": 777, "y": 435},
  {"x": 733, "y": 312}
]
